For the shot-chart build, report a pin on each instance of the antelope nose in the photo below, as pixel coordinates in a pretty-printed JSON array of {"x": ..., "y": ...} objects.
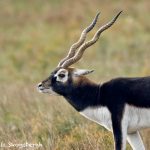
[{"x": 40, "y": 85}]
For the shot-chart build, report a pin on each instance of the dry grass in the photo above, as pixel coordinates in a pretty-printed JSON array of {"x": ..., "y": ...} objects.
[
  {"x": 35, "y": 118},
  {"x": 34, "y": 36}
]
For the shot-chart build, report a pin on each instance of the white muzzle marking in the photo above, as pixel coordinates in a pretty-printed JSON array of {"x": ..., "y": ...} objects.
[{"x": 49, "y": 90}]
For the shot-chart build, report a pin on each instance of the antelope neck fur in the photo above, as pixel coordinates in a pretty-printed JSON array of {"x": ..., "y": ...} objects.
[{"x": 121, "y": 103}]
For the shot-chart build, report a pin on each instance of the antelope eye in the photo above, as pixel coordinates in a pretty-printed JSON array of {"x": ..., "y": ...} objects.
[{"x": 61, "y": 75}]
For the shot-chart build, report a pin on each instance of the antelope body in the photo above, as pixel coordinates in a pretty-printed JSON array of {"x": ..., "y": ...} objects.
[{"x": 121, "y": 105}]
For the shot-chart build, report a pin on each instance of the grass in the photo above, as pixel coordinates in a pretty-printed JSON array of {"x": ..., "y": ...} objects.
[{"x": 35, "y": 35}]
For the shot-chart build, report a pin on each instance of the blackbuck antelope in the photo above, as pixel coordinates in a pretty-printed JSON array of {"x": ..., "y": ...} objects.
[{"x": 121, "y": 105}]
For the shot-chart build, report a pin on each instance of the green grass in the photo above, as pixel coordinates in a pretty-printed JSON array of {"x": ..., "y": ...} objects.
[{"x": 35, "y": 35}]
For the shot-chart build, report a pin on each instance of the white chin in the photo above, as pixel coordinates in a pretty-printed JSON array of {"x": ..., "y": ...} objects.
[{"x": 48, "y": 91}]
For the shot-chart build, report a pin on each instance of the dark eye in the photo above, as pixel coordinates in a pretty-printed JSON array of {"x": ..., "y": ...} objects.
[{"x": 61, "y": 75}]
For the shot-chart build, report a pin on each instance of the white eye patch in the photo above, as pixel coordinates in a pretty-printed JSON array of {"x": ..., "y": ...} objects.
[{"x": 61, "y": 75}]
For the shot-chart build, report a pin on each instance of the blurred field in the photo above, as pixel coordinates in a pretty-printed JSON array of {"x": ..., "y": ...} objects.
[{"x": 34, "y": 36}]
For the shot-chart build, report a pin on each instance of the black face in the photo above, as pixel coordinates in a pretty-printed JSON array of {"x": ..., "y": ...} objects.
[
  {"x": 58, "y": 82},
  {"x": 63, "y": 81}
]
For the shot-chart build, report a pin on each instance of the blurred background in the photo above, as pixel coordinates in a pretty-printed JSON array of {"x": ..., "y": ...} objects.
[{"x": 34, "y": 36}]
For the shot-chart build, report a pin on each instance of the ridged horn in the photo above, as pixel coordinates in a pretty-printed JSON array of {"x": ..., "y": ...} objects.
[
  {"x": 87, "y": 44},
  {"x": 76, "y": 45}
]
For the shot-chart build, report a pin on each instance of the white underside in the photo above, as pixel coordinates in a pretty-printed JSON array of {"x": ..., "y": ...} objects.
[{"x": 133, "y": 120}]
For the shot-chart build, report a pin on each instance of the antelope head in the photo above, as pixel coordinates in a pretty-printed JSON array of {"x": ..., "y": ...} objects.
[{"x": 65, "y": 79}]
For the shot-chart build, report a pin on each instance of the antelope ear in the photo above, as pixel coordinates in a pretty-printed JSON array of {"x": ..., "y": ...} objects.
[{"x": 79, "y": 72}]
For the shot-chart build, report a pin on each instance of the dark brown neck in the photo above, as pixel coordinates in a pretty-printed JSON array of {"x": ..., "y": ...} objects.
[{"x": 87, "y": 94}]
